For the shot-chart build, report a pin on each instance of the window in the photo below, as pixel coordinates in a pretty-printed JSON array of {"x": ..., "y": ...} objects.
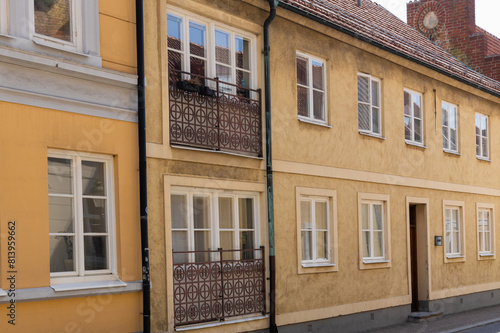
[
  {"x": 414, "y": 133},
  {"x": 205, "y": 220},
  {"x": 4, "y": 17},
  {"x": 50, "y": 26},
  {"x": 453, "y": 212},
  {"x": 450, "y": 127},
  {"x": 485, "y": 230},
  {"x": 316, "y": 230},
  {"x": 482, "y": 142},
  {"x": 311, "y": 87},
  {"x": 80, "y": 214},
  {"x": 209, "y": 49},
  {"x": 369, "y": 111}
]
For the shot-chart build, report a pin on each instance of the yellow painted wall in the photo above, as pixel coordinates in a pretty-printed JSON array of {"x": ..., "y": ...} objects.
[
  {"x": 117, "y": 35},
  {"x": 106, "y": 313}
]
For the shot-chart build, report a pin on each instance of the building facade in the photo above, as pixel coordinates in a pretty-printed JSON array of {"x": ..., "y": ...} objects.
[
  {"x": 69, "y": 209},
  {"x": 383, "y": 165}
]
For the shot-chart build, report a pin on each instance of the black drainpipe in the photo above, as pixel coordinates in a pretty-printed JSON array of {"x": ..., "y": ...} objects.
[
  {"x": 269, "y": 169},
  {"x": 141, "y": 114}
]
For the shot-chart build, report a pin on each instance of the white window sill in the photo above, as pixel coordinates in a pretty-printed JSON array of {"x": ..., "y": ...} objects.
[
  {"x": 452, "y": 152},
  {"x": 483, "y": 158},
  {"x": 58, "y": 46},
  {"x": 228, "y": 321},
  {"x": 371, "y": 134},
  {"x": 3, "y": 293},
  {"x": 416, "y": 144},
  {"x": 486, "y": 254},
  {"x": 455, "y": 256},
  {"x": 83, "y": 284},
  {"x": 314, "y": 122},
  {"x": 318, "y": 265},
  {"x": 375, "y": 261},
  {"x": 6, "y": 35}
]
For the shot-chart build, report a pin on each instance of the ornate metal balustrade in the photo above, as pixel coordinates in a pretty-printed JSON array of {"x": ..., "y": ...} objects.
[
  {"x": 215, "y": 290},
  {"x": 210, "y": 114}
]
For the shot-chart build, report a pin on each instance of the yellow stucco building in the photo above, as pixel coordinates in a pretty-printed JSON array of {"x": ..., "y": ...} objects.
[
  {"x": 384, "y": 169},
  {"x": 70, "y": 258}
]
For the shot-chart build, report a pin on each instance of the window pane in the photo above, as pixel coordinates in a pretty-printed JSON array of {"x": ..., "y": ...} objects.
[
  {"x": 226, "y": 240},
  {"x": 455, "y": 220},
  {"x": 303, "y": 101},
  {"x": 61, "y": 215},
  {"x": 446, "y": 142},
  {"x": 478, "y": 145},
  {"x": 60, "y": 176},
  {"x": 318, "y": 105},
  {"x": 174, "y": 31},
  {"x": 321, "y": 215},
  {"x": 365, "y": 223},
  {"x": 375, "y": 93},
  {"x": 93, "y": 182},
  {"x": 453, "y": 139},
  {"x": 322, "y": 245},
  {"x": 363, "y": 89},
  {"x": 484, "y": 147},
  {"x": 247, "y": 240},
  {"x": 96, "y": 256},
  {"x": 178, "y": 208},
  {"x": 445, "y": 116},
  {"x": 364, "y": 117},
  {"x": 197, "y": 39},
  {"x": 453, "y": 117},
  {"x": 317, "y": 73},
  {"x": 222, "y": 47},
  {"x": 198, "y": 67},
  {"x": 447, "y": 219},
  {"x": 418, "y": 130},
  {"x": 61, "y": 254},
  {"x": 180, "y": 243},
  {"x": 174, "y": 60},
  {"x": 243, "y": 79},
  {"x": 226, "y": 213},
  {"x": 306, "y": 245},
  {"x": 408, "y": 129},
  {"x": 378, "y": 218},
  {"x": 53, "y": 18},
  {"x": 448, "y": 242},
  {"x": 224, "y": 74},
  {"x": 94, "y": 215},
  {"x": 242, "y": 53},
  {"x": 201, "y": 212},
  {"x": 302, "y": 77},
  {"x": 416, "y": 106},
  {"x": 305, "y": 215},
  {"x": 245, "y": 206},
  {"x": 376, "y": 120},
  {"x": 378, "y": 244},
  {"x": 202, "y": 243},
  {"x": 456, "y": 242},
  {"x": 366, "y": 244},
  {"x": 407, "y": 104},
  {"x": 484, "y": 125}
]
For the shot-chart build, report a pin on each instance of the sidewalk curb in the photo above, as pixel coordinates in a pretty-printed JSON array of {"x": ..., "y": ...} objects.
[{"x": 463, "y": 328}]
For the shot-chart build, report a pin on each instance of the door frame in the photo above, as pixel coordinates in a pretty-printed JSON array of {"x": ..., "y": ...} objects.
[{"x": 422, "y": 249}]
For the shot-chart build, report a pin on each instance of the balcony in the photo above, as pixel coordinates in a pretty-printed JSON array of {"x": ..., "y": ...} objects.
[
  {"x": 214, "y": 115},
  {"x": 231, "y": 285}
]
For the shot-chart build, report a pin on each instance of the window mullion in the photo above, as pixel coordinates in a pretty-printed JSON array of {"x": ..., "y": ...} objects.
[
  {"x": 310, "y": 90},
  {"x": 79, "y": 236},
  {"x": 190, "y": 225},
  {"x": 314, "y": 231}
]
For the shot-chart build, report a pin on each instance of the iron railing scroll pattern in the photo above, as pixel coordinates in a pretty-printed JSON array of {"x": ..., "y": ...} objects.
[{"x": 220, "y": 288}]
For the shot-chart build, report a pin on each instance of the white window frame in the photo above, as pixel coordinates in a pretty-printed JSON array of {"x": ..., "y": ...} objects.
[
  {"x": 211, "y": 26},
  {"x": 371, "y": 106},
  {"x": 412, "y": 118},
  {"x": 483, "y": 253},
  {"x": 318, "y": 265},
  {"x": 85, "y": 47},
  {"x": 310, "y": 89},
  {"x": 80, "y": 275},
  {"x": 451, "y": 256},
  {"x": 447, "y": 108},
  {"x": 383, "y": 261},
  {"x": 483, "y": 155},
  {"x": 213, "y": 195}
]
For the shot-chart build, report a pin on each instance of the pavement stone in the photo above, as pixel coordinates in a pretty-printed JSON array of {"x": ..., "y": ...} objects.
[{"x": 449, "y": 324}]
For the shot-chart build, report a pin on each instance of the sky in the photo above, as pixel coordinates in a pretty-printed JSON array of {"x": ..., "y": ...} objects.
[{"x": 486, "y": 13}]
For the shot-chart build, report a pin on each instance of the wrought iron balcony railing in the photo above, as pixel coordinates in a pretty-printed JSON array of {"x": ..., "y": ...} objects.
[
  {"x": 215, "y": 290},
  {"x": 214, "y": 115}
]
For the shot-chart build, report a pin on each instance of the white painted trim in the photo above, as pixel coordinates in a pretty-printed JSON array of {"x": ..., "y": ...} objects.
[
  {"x": 460, "y": 206},
  {"x": 4, "y": 17},
  {"x": 3, "y": 293},
  {"x": 311, "y": 89},
  {"x": 378, "y": 178},
  {"x": 488, "y": 138},
  {"x": 370, "y": 105},
  {"x": 412, "y": 117},
  {"x": 447, "y": 106},
  {"x": 491, "y": 208},
  {"x": 88, "y": 285},
  {"x": 48, "y": 293}
]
